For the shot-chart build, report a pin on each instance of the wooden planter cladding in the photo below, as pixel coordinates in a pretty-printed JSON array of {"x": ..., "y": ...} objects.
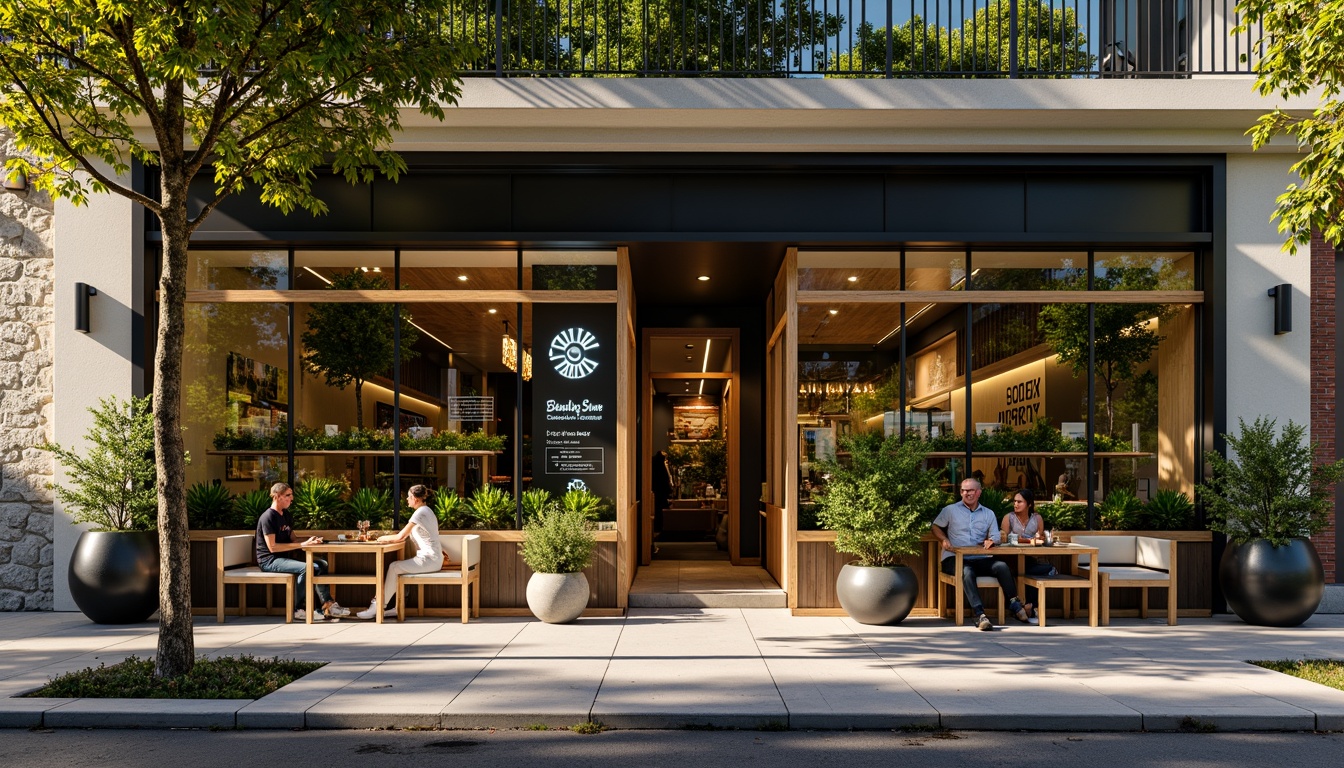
[
  {"x": 503, "y": 578},
  {"x": 819, "y": 563}
]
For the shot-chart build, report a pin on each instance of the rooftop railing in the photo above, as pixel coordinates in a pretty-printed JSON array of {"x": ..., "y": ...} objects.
[{"x": 854, "y": 38}]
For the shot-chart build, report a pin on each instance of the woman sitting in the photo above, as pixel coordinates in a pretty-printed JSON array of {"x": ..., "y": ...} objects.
[
  {"x": 1026, "y": 522},
  {"x": 423, "y": 527}
]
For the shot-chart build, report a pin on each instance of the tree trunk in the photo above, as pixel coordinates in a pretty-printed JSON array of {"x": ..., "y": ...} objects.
[{"x": 177, "y": 647}]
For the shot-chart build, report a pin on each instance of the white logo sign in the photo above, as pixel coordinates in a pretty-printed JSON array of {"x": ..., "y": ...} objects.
[
  {"x": 569, "y": 353},
  {"x": 577, "y": 485}
]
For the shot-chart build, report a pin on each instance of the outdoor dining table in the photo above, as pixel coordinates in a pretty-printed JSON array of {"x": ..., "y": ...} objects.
[
  {"x": 1073, "y": 551},
  {"x": 378, "y": 549}
]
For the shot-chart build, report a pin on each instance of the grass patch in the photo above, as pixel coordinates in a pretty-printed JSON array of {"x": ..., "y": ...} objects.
[
  {"x": 538, "y": 727},
  {"x": 228, "y": 677},
  {"x": 588, "y": 727},
  {"x": 1323, "y": 671}
]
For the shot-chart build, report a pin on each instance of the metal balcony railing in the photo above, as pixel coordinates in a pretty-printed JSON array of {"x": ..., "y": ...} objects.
[{"x": 854, "y": 38}]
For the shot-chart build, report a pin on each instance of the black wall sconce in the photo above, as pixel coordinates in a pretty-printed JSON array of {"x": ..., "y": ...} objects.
[
  {"x": 16, "y": 182},
  {"x": 1283, "y": 308},
  {"x": 82, "y": 293}
]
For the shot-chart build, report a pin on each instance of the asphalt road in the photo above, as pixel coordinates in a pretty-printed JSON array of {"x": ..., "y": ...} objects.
[{"x": 660, "y": 749}]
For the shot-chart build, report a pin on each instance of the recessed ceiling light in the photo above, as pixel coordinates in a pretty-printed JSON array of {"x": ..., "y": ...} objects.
[
  {"x": 366, "y": 269},
  {"x": 688, "y": 357},
  {"x": 493, "y": 311},
  {"x": 703, "y": 278},
  {"x": 833, "y": 311},
  {"x": 853, "y": 278},
  {"x": 690, "y": 346},
  {"x": 463, "y": 278},
  {"x": 377, "y": 269}
]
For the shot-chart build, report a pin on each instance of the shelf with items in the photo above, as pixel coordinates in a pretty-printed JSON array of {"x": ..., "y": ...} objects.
[
  {"x": 370, "y": 452},
  {"x": 1040, "y": 454}
]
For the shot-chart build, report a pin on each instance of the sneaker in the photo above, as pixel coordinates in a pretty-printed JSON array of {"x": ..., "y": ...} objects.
[
  {"x": 1018, "y": 610},
  {"x": 302, "y": 615},
  {"x": 1032, "y": 620},
  {"x": 335, "y": 610},
  {"x": 983, "y": 623},
  {"x": 371, "y": 612}
]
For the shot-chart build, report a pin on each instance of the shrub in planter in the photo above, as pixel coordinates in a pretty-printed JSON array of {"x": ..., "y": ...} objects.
[
  {"x": 1168, "y": 510},
  {"x": 558, "y": 546},
  {"x": 1059, "y": 516},
  {"x": 1121, "y": 510},
  {"x": 318, "y": 503},
  {"x": 114, "y": 570},
  {"x": 1268, "y": 499},
  {"x": 366, "y": 504},
  {"x": 878, "y": 504},
  {"x": 452, "y": 510},
  {"x": 209, "y": 506},
  {"x": 248, "y": 507},
  {"x": 491, "y": 507},
  {"x": 534, "y": 501}
]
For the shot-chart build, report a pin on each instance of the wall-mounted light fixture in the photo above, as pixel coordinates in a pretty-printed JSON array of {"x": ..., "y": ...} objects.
[
  {"x": 1283, "y": 308},
  {"x": 16, "y": 181},
  {"x": 82, "y": 293}
]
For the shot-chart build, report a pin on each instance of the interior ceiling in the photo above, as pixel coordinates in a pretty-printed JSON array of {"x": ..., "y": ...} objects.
[{"x": 741, "y": 274}]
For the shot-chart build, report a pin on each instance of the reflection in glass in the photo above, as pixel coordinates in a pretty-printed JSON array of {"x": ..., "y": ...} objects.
[
  {"x": 569, "y": 270},
  {"x": 315, "y": 270},
  {"x": 459, "y": 270},
  {"x": 935, "y": 270},
  {"x": 1028, "y": 271},
  {"x": 237, "y": 270},
  {"x": 1144, "y": 271},
  {"x": 849, "y": 271}
]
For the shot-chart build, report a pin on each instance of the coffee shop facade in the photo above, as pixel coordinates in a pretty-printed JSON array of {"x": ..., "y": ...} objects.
[{"x": 880, "y": 255}]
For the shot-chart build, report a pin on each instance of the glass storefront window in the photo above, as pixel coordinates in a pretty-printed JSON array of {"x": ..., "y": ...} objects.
[
  {"x": 569, "y": 270},
  {"x": 237, "y": 270},
  {"x": 459, "y": 270},
  {"x": 1144, "y": 271},
  {"x": 1028, "y": 271},
  {"x": 315, "y": 270},
  {"x": 849, "y": 271},
  {"x": 935, "y": 270}
]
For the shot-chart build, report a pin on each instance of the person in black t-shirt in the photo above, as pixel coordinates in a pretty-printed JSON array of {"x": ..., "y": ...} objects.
[{"x": 278, "y": 553}]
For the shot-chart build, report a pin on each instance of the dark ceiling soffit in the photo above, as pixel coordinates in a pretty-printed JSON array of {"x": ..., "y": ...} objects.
[{"x": 553, "y": 240}]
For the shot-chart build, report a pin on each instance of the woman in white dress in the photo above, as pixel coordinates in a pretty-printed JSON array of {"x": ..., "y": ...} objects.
[{"x": 423, "y": 528}]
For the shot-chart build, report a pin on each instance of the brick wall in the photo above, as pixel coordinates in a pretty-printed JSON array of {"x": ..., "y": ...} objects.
[{"x": 1323, "y": 378}]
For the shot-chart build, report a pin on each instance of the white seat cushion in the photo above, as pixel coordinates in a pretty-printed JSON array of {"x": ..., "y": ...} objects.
[
  {"x": 437, "y": 575},
  {"x": 1110, "y": 549},
  {"x": 252, "y": 572},
  {"x": 1133, "y": 573}
]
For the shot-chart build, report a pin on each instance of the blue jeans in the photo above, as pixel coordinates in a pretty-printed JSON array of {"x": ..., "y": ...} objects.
[
  {"x": 299, "y": 569},
  {"x": 982, "y": 566}
]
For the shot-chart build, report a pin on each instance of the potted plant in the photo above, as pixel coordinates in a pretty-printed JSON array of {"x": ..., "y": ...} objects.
[
  {"x": 114, "y": 570},
  {"x": 878, "y": 504},
  {"x": 558, "y": 546},
  {"x": 1267, "y": 501}
]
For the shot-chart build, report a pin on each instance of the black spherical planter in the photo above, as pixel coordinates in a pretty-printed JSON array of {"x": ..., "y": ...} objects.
[
  {"x": 114, "y": 575},
  {"x": 1272, "y": 586},
  {"x": 877, "y": 595}
]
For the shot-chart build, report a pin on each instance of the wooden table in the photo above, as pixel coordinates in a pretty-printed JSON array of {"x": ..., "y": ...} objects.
[
  {"x": 378, "y": 549},
  {"x": 1021, "y": 551}
]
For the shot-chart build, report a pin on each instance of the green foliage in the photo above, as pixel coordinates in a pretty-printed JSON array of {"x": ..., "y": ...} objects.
[
  {"x": 1301, "y": 53},
  {"x": 703, "y": 462},
  {"x": 999, "y": 502},
  {"x": 1168, "y": 510},
  {"x": 112, "y": 487},
  {"x": 223, "y": 677},
  {"x": 1040, "y": 436},
  {"x": 558, "y": 541},
  {"x": 878, "y": 502},
  {"x": 1121, "y": 510},
  {"x": 306, "y": 439},
  {"x": 1050, "y": 41},
  {"x": 534, "y": 501},
  {"x": 1273, "y": 489},
  {"x": 248, "y": 507},
  {"x": 583, "y": 502},
  {"x": 491, "y": 507},
  {"x": 366, "y": 504},
  {"x": 1321, "y": 671},
  {"x": 588, "y": 727},
  {"x": 318, "y": 503},
  {"x": 451, "y": 510},
  {"x": 209, "y": 506},
  {"x": 348, "y": 342},
  {"x": 1059, "y": 516}
]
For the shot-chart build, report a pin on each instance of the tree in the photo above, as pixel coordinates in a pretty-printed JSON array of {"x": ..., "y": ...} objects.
[
  {"x": 1302, "y": 51},
  {"x": 348, "y": 343},
  {"x": 259, "y": 94}
]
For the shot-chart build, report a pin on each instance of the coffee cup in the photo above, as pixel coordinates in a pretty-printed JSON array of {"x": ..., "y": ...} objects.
[{"x": 1012, "y": 538}]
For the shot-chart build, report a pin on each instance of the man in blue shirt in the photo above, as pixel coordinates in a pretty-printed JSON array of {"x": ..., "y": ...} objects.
[{"x": 966, "y": 523}]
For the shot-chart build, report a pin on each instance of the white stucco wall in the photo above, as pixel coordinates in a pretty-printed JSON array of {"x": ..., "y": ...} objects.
[
  {"x": 1266, "y": 374},
  {"x": 93, "y": 246}
]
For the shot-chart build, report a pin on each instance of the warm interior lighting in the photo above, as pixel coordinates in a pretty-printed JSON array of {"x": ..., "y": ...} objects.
[
  {"x": 414, "y": 324},
  {"x": 833, "y": 311},
  {"x": 853, "y": 278},
  {"x": 492, "y": 311},
  {"x": 703, "y": 278},
  {"x": 463, "y": 278},
  {"x": 509, "y": 354}
]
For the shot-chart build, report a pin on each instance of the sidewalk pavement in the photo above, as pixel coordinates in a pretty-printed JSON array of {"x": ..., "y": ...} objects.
[{"x": 709, "y": 667}]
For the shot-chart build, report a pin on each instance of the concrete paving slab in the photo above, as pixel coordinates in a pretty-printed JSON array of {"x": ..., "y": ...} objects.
[
  {"x": 287, "y": 707},
  {"x": 144, "y": 713}
]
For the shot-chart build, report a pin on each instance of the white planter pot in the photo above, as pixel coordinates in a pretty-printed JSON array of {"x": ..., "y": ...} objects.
[{"x": 557, "y": 598}]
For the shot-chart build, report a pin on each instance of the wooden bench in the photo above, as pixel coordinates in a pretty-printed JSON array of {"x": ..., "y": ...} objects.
[
  {"x": 461, "y": 569},
  {"x": 235, "y": 564},
  {"x": 1144, "y": 562},
  {"x": 1058, "y": 581},
  {"x": 949, "y": 580}
]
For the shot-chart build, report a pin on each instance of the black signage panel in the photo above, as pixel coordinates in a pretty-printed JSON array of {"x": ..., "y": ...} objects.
[{"x": 574, "y": 398}]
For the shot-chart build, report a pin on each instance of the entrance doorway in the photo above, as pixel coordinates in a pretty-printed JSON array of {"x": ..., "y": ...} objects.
[{"x": 690, "y": 438}]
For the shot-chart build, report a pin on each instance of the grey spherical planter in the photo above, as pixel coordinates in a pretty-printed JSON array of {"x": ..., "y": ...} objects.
[
  {"x": 557, "y": 598},
  {"x": 1272, "y": 586},
  {"x": 114, "y": 575},
  {"x": 877, "y": 595}
]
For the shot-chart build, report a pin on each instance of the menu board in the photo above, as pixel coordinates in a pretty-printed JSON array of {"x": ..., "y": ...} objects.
[{"x": 574, "y": 398}]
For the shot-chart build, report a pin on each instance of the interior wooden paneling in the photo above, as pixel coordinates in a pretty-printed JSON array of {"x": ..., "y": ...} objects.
[{"x": 1176, "y": 404}]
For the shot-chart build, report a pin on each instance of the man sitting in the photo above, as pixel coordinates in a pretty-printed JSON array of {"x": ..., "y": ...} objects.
[
  {"x": 966, "y": 523},
  {"x": 278, "y": 553}
]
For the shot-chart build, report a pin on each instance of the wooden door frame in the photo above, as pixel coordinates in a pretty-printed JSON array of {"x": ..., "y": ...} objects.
[{"x": 732, "y": 430}]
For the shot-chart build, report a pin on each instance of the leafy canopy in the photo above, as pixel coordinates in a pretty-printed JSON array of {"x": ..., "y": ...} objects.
[
  {"x": 1302, "y": 50},
  {"x": 112, "y": 486},
  {"x": 1273, "y": 489}
]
